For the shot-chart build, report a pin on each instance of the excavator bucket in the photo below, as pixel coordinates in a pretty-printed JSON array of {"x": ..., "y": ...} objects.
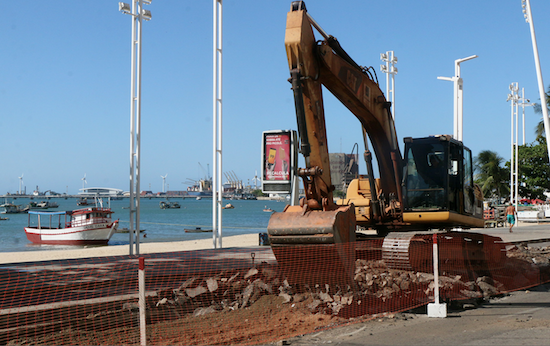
[{"x": 314, "y": 247}]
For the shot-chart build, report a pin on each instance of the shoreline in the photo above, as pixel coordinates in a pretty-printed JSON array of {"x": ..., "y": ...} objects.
[
  {"x": 523, "y": 231},
  {"x": 241, "y": 241}
]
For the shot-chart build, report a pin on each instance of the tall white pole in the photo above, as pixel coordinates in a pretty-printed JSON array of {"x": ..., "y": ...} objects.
[
  {"x": 511, "y": 149},
  {"x": 133, "y": 132},
  {"x": 389, "y": 69},
  {"x": 526, "y": 4},
  {"x": 514, "y": 98},
  {"x": 138, "y": 126},
  {"x": 138, "y": 13},
  {"x": 523, "y": 100},
  {"x": 217, "y": 188},
  {"x": 516, "y": 182},
  {"x": 458, "y": 98}
]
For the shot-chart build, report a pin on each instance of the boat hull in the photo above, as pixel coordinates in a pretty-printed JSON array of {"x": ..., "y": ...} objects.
[{"x": 97, "y": 234}]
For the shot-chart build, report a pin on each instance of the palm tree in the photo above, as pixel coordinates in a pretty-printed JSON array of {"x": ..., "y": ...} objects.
[
  {"x": 492, "y": 178},
  {"x": 539, "y": 129}
]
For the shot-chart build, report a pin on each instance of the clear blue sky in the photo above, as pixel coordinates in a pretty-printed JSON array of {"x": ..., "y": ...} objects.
[{"x": 65, "y": 82}]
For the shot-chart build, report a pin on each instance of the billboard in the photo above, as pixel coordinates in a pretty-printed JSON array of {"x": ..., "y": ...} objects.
[{"x": 278, "y": 160}]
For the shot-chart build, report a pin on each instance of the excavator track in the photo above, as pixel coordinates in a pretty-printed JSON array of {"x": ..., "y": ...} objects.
[
  {"x": 395, "y": 250},
  {"x": 461, "y": 253}
]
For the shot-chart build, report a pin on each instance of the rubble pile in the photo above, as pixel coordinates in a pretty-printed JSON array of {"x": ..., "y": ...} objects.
[
  {"x": 374, "y": 284},
  {"x": 531, "y": 254},
  {"x": 224, "y": 291}
]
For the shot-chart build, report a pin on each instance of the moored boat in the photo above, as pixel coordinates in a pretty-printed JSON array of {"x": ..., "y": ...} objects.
[
  {"x": 41, "y": 205},
  {"x": 10, "y": 208},
  {"x": 87, "y": 226},
  {"x": 83, "y": 201},
  {"x": 197, "y": 230},
  {"x": 169, "y": 205}
]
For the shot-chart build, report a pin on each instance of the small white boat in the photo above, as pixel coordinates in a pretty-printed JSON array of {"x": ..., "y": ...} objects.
[
  {"x": 229, "y": 206},
  {"x": 87, "y": 226}
]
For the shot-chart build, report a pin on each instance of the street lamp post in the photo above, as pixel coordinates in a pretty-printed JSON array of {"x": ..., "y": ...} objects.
[
  {"x": 138, "y": 13},
  {"x": 458, "y": 98},
  {"x": 514, "y": 98},
  {"x": 217, "y": 187},
  {"x": 526, "y": 5},
  {"x": 390, "y": 69}
]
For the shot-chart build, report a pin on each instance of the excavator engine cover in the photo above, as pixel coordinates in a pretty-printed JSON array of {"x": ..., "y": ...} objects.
[{"x": 315, "y": 246}]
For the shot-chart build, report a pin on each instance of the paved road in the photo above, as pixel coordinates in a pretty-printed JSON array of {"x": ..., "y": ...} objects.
[
  {"x": 521, "y": 318},
  {"x": 521, "y": 232}
]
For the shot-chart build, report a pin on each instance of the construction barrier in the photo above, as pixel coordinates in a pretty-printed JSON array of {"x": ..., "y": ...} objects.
[{"x": 250, "y": 296}]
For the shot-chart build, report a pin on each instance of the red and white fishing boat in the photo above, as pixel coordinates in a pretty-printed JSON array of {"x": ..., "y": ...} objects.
[{"x": 87, "y": 226}]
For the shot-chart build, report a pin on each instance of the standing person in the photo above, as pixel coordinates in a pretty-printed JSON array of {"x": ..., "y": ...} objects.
[{"x": 511, "y": 215}]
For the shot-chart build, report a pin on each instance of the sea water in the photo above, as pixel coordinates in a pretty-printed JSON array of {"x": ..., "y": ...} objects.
[{"x": 158, "y": 225}]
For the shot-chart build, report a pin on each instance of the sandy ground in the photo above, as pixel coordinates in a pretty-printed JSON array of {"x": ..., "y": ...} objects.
[{"x": 246, "y": 240}]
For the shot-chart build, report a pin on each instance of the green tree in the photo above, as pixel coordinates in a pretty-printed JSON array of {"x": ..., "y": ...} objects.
[
  {"x": 490, "y": 175},
  {"x": 534, "y": 169}
]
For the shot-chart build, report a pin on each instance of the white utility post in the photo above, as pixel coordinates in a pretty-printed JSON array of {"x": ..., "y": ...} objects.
[
  {"x": 390, "y": 69},
  {"x": 138, "y": 13},
  {"x": 217, "y": 187},
  {"x": 458, "y": 98},
  {"x": 526, "y": 5},
  {"x": 514, "y": 98},
  {"x": 436, "y": 309}
]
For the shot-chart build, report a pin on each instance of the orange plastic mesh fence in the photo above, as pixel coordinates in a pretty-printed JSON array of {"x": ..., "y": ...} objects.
[{"x": 250, "y": 296}]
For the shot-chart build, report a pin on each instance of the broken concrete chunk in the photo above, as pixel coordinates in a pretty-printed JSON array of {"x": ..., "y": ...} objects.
[
  {"x": 251, "y": 272},
  {"x": 193, "y": 292},
  {"x": 247, "y": 293},
  {"x": 212, "y": 284},
  {"x": 286, "y": 297},
  {"x": 204, "y": 311},
  {"x": 187, "y": 283},
  {"x": 162, "y": 301}
]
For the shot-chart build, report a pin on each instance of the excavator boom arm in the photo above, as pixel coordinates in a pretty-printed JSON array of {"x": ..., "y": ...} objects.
[{"x": 314, "y": 65}]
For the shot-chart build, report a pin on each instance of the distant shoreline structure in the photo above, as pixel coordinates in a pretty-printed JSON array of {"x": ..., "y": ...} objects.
[{"x": 78, "y": 196}]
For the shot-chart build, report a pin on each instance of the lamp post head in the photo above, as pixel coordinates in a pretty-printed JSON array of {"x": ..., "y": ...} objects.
[
  {"x": 124, "y": 7},
  {"x": 146, "y": 14},
  {"x": 458, "y": 61}
]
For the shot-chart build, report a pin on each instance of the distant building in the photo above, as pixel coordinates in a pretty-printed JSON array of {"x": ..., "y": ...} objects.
[
  {"x": 343, "y": 169},
  {"x": 176, "y": 193},
  {"x": 101, "y": 192}
]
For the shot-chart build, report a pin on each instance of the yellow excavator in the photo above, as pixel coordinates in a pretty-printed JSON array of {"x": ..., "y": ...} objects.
[{"x": 429, "y": 188}]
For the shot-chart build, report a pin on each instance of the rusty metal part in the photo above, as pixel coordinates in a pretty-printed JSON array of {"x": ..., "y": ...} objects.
[
  {"x": 314, "y": 246},
  {"x": 310, "y": 172},
  {"x": 293, "y": 226}
]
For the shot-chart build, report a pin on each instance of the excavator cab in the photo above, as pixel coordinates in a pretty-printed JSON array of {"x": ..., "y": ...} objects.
[{"x": 438, "y": 187}]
